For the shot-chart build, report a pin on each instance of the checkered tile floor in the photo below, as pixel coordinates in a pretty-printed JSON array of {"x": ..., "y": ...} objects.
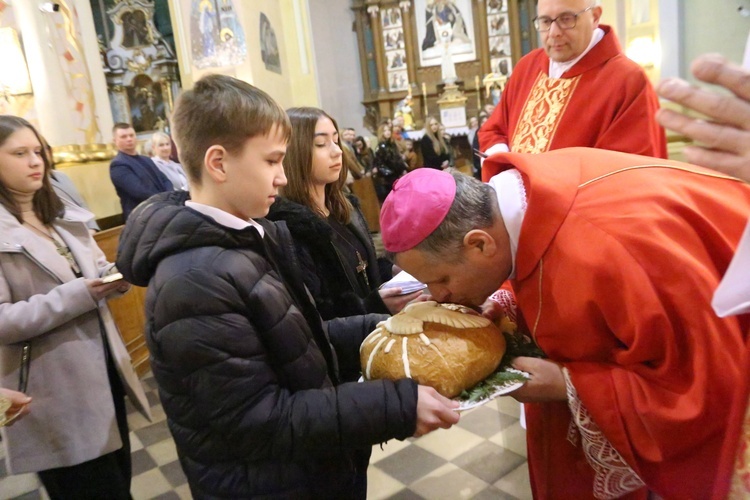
[{"x": 483, "y": 457}]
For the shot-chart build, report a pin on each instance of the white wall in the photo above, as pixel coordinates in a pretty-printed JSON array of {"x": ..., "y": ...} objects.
[
  {"x": 713, "y": 26},
  {"x": 337, "y": 61}
]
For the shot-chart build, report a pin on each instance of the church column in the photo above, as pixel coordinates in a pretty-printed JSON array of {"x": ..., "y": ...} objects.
[
  {"x": 377, "y": 33},
  {"x": 63, "y": 95},
  {"x": 365, "y": 56},
  {"x": 93, "y": 54},
  {"x": 484, "y": 55},
  {"x": 169, "y": 84},
  {"x": 411, "y": 55},
  {"x": 44, "y": 71}
]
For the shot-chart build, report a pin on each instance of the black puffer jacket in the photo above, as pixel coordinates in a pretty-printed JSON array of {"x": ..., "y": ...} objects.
[
  {"x": 334, "y": 285},
  {"x": 245, "y": 368}
]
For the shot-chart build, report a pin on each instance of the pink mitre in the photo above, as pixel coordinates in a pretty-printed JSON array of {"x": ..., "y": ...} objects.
[{"x": 415, "y": 207}]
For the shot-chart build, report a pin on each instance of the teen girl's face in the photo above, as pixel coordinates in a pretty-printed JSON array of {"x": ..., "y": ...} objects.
[
  {"x": 327, "y": 156},
  {"x": 434, "y": 126},
  {"x": 387, "y": 133},
  {"x": 21, "y": 163}
]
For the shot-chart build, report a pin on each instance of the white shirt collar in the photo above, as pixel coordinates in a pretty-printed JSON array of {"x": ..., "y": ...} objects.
[
  {"x": 556, "y": 69},
  {"x": 511, "y": 199},
  {"x": 224, "y": 218}
]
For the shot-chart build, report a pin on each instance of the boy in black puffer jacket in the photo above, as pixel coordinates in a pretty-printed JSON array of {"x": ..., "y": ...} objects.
[{"x": 258, "y": 392}]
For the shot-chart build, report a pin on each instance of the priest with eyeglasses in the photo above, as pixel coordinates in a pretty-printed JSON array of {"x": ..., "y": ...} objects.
[{"x": 578, "y": 89}]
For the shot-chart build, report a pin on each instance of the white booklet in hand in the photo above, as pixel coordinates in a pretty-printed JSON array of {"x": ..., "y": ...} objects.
[{"x": 406, "y": 282}]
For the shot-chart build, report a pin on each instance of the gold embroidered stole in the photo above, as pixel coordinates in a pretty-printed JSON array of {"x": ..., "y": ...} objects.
[
  {"x": 741, "y": 478},
  {"x": 542, "y": 113}
]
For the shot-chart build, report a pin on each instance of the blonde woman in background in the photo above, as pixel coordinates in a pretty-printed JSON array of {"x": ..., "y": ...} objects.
[
  {"x": 161, "y": 147},
  {"x": 435, "y": 153}
]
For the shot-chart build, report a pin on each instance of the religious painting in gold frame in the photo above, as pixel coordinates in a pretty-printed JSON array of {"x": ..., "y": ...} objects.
[{"x": 434, "y": 17}]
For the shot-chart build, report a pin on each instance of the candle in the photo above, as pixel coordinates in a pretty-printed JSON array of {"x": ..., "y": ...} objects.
[
  {"x": 479, "y": 101},
  {"x": 424, "y": 95}
]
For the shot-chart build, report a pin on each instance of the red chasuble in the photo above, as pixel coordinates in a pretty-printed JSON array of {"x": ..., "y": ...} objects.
[
  {"x": 604, "y": 101},
  {"x": 618, "y": 259}
]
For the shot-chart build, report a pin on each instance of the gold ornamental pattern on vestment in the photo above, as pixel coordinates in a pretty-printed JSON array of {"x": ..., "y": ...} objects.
[
  {"x": 740, "y": 488},
  {"x": 542, "y": 113}
]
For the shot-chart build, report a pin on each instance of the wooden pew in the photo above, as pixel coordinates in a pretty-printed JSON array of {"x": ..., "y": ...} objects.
[
  {"x": 129, "y": 310},
  {"x": 364, "y": 189}
]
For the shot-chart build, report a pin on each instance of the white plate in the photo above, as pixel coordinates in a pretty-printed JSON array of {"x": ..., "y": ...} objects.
[{"x": 498, "y": 390}]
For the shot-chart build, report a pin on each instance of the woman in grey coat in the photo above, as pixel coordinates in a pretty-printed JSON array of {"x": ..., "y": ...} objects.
[{"x": 53, "y": 310}]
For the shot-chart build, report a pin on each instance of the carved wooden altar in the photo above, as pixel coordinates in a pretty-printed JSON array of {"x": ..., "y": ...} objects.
[
  {"x": 395, "y": 47},
  {"x": 140, "y": 67}
]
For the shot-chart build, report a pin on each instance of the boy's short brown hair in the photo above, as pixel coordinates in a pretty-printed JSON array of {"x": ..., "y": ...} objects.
[{"x": 225, "y": 111}]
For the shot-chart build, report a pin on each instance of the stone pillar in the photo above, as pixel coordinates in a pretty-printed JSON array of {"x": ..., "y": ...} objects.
[
  {"x": 377, "y": 35},
  {"x": 64, "y": 98},
  {"x": 50, "y": 99},
  {"x": 91, "y": 49},
  {"x": 411, "y": 54},
  {"x": 484, "y": 55}
]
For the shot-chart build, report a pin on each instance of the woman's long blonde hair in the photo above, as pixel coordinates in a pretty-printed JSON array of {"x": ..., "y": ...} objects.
[
  {"x": 438, "y": 143},
  {"x": 381, "y": 132}
]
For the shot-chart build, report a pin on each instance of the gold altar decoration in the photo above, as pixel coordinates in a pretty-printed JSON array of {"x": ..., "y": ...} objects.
[
  {"x": 83, "y": 153},
  {"x": 452, "y": 95},
  {"x": 493, "y": 80}
]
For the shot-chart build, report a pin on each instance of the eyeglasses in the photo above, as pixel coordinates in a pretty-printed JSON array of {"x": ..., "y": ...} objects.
[{"x": 565, "y": 21}]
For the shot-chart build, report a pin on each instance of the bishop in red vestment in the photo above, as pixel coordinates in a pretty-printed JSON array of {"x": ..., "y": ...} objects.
[{"x": 614, "y": 265}]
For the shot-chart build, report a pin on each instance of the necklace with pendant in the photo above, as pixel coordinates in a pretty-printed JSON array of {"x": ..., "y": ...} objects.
[
  {"x": 361, "y": 262},
  {"x": 62, "y": 250}
]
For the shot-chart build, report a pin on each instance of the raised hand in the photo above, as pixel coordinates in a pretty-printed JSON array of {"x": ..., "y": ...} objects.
[
  {"x": 724, "y": 139},
  {"x": 393, "y": 299}
]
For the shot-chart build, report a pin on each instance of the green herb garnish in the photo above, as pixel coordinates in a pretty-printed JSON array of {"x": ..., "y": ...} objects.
[{"x": 492, "y": 384}]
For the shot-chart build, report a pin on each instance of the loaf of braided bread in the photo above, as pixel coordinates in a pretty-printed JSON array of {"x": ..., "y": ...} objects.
[{"x": 445, "y": 346}]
